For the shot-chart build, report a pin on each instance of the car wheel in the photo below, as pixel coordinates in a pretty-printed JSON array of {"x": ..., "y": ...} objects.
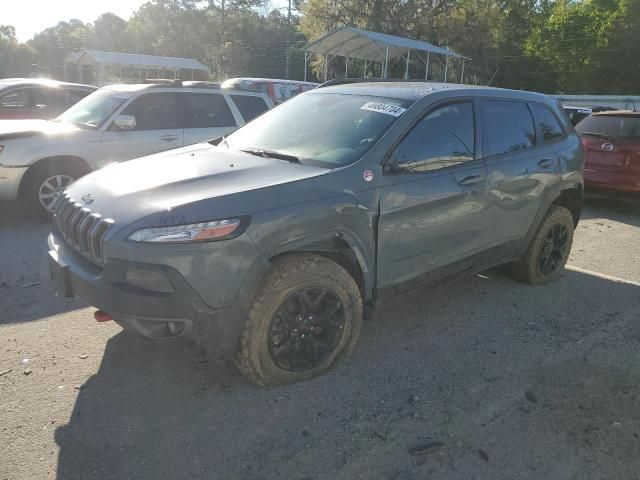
[
  {"x": 46, "y": 183},
  {"x": 306, "y": 315},
  {"x": 549, "y": 249}
]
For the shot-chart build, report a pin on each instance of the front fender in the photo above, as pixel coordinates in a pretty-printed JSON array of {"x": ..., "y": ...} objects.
[{"x": 341, "y": 218}]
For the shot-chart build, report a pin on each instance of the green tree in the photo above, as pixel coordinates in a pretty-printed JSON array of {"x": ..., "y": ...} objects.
[
  {"x": 590, "y": 46},
  {"x": 55, "y": 43},
  {"x": 16, "y": 60},
  {"x": 110, "y": 33}
]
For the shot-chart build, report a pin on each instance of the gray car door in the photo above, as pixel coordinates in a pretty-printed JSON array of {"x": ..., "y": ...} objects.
[
  {"x": 520, "y": 169},
  {"x": 158, "y": 127},
  {"x": 433, "y": 204}
]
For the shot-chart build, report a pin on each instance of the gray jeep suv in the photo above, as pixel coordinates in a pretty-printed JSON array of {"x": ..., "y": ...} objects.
[{"x": 266, "y": 246}]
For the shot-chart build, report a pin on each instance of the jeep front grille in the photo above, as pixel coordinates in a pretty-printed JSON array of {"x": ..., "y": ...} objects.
[{"x": 83, "y": 229}]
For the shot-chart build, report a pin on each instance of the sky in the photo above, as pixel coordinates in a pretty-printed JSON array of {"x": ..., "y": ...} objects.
[{"x": 32, "y": 16}]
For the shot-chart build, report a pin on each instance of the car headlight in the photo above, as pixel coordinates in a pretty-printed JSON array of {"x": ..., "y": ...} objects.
[{"x": 193, "y": 232}]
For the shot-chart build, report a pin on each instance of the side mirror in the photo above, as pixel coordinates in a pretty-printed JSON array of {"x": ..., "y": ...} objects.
[{"x": 125, "y": 122}]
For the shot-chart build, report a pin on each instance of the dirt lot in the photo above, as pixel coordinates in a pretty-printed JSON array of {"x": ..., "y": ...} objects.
[{"x": 482, "y": 378}]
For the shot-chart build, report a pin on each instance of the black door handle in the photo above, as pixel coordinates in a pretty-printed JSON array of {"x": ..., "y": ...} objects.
[
  {"x": 470, "y": 180},
  {"x": 545, "y": 163}
]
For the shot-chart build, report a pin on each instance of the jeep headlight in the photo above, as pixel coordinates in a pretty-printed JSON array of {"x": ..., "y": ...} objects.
[{"x": 192, "y": 232}]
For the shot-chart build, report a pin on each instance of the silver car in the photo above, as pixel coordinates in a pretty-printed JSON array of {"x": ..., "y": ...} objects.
[{"x": 39, "y": 158}]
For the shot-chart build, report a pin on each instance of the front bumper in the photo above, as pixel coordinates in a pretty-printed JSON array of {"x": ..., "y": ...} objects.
[
  {"x": 179, "y": 315},
  {"x": 10, "y": 178}
]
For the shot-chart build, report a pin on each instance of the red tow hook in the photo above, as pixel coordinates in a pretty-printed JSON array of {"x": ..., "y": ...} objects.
[{"x": 102, "y": 316}]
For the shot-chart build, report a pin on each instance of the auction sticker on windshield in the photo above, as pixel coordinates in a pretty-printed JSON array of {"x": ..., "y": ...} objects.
[{"x": 384, "y": 108}]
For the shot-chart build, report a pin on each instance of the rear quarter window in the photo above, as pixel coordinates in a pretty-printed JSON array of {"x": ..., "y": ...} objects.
[
  {"x": 546, "y": 122},
  {"x": 249, "y": 106}
]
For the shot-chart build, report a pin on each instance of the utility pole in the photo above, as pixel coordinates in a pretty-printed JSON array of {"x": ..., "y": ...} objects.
[{"x": 287, "y": 66}]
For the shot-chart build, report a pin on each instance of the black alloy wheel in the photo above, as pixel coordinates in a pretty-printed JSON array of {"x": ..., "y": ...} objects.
[
  {"x": 554, "y": 249},
  {"x": 306, "y": 329}
]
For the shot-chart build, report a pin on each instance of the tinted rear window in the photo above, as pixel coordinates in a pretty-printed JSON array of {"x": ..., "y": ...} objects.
[
  {"x": 507, "y": 126},
  {"x": 547, "y": 122},
  {"x": 610, "y": 126},
  {"x": 250, "y": 107}
]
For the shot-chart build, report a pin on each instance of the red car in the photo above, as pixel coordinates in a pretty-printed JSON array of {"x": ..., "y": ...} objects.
[
  {"x": 278, "y": 90},
  {"x": 38, "y": 97},
  {"x": 612, "y": 144}
]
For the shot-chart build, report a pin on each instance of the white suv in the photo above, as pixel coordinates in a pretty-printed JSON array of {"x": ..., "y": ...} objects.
[{"x": 39, "y": 159}]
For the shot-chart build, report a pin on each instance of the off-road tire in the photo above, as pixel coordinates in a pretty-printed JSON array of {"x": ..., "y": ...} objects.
[
  {"x": 37, "y": 175},
  {"x": 289, "y": 274},
  {"x": 527, "y": 268}
]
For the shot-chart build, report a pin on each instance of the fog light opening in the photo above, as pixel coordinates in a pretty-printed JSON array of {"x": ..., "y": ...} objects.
[{"x": 175, "y": 328}]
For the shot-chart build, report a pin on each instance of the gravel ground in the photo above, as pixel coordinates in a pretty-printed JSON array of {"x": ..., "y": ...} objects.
[{"x": 481, "y": 378}]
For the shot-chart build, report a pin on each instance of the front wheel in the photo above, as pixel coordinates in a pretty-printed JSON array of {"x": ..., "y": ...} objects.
[
  {"x": 46, "y": 182},
  {"x": 549, "y": 249},
  {"x": 306, "y": 315}
]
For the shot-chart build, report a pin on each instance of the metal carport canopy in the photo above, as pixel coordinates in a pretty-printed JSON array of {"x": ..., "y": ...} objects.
[{"x": 372, "y": 46}]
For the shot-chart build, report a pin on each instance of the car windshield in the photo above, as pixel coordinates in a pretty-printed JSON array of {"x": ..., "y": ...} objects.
[
  {"x": 610, "y": 126},
  {"x": 93, "y": 110},
  {"x": 326, "y": 129}
]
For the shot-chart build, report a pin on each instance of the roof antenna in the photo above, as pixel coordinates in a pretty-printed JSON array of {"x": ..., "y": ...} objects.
[{"x": 493, "y": 76}]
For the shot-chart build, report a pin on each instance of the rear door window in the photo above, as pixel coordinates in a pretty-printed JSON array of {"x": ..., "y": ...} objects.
[
  {"x": 249, "y": 106},
  {"x": 207, "y": 110},
  {"x": 57, "y": 98},
  {"x": 610, "y": 126},
  {"x": 445, "y": 137},
  {"x": 155, "y": 111},
  {"x": 547, "y": 122},
  {"x": 507, "y": 127},
  {"x": 37, "y": 98}
]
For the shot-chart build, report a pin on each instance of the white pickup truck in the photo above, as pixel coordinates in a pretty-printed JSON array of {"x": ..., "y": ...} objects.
[{"x": 39, "y": 158}]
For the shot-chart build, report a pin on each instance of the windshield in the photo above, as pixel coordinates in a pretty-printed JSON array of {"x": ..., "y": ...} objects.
[
  {"x": 93, "y": 110},
  {"x": 328, "y": 129},
  {"x": 610, "y": 126}
]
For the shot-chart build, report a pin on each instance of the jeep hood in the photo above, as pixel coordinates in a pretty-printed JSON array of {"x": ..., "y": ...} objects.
[
  {"x": 10, "y": 129},
  {"x": 131, "y": 190}
]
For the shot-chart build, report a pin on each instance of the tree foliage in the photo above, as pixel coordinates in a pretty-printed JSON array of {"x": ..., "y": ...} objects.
[{"x": 579, "y": 46}]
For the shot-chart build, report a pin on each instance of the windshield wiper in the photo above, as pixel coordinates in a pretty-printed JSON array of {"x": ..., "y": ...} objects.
[
  {"x": 258, "y": 152},
  {"x": 596, "y": 134}
]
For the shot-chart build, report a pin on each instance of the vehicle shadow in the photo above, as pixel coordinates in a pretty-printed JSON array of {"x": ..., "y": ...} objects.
[
  {"x": 466, "y": 350},
  {"x": 621, "y": 208},
  {"x": 26, "y": 291}
]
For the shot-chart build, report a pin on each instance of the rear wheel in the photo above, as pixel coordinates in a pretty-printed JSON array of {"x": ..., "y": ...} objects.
[
  {"x": 46, "y": 182},
  {"x": 549, "y": 249},
  {"x": 305, "y": 317}
]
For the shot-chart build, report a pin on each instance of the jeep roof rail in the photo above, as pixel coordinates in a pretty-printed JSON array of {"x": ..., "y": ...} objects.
[{"x": 343, "y": 81}]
